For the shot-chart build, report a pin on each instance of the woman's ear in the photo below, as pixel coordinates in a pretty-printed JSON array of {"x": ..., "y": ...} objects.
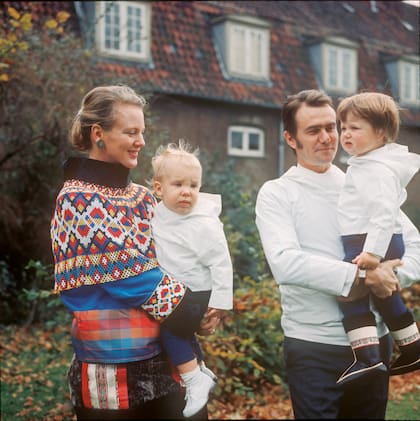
[{"x": 96, "y": 133}]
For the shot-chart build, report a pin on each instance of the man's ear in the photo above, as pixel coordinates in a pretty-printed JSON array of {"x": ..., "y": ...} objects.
[{"x": 289, "y": 139}]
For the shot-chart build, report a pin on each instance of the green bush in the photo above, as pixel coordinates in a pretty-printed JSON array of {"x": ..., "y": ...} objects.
[
  {"x": 238, "y": 216},
  {"x": 247, "y": 351},
  {"x": 34, "y": 303}
]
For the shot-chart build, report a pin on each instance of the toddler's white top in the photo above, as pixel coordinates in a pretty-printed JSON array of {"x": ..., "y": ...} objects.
[
  {"x": 193, "y": 248},
  {"x": 373, "y": 192}
]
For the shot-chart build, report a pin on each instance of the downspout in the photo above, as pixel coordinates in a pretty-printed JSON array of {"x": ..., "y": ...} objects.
[
  {"x": 78, "y": 7},
  {"x": 80, "y": 13}
]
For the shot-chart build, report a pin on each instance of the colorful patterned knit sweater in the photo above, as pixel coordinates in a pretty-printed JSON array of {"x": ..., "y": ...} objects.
[{"x": 105, "y": 264}]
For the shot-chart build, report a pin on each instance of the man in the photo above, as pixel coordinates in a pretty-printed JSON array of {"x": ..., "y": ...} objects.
[{"x": 296, "y": 216}]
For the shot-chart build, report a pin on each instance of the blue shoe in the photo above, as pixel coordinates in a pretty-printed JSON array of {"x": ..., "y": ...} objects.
[{"x": 404, "y": 365}]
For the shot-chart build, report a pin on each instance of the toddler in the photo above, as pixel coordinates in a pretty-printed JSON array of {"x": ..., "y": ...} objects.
[
  {"x": 370, "y": 224},
  {"x": 191, "y": 246}
]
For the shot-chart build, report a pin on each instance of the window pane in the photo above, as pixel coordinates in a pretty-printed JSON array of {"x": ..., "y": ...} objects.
[
  {"x": 112, "y": 24},
  {"x": 255, "y": 52},
  {"x": 332, "y": 66},
  {"x": 236, "y": 140},
  {"x": 346, "y": 72},
  {"x": 406, "y": 93},
  {"x": 254, "y": 141},
  {"x": 238, "y": 49},
  {"x": 134, "y": 29}
]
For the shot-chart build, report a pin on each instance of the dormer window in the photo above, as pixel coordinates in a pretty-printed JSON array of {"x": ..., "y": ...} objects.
[
  {"x": 244, "y": 46},
  {"x": 123, "y": 29},
  {"x": 248, "y": 51},
  {"x": 335, "y": 62},
  {"x": 339, "y": 68},
  {"x": 409, "y": 83},
  {"x": 403, "y": 73}
]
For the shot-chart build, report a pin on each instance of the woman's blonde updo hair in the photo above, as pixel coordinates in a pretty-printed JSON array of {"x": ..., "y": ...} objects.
[{"x": 97, "y": 108}]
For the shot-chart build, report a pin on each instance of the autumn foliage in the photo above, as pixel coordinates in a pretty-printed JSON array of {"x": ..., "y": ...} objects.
[{"x": 35, "y": 360}]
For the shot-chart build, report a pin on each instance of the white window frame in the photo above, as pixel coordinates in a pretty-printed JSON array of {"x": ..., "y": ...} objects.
[
  {"x": 122, "y": 29},
  {"x": 409, "y": 84},
  {"x": 340, "y": 68},
  {"x": 250, "y": 56},
  {"x": 245, "y": 150}
]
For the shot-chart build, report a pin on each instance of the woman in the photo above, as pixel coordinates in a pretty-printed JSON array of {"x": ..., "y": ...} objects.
[{"x": 106, "y": 269}]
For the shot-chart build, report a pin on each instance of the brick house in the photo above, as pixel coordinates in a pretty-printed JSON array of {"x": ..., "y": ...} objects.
[{"x": 219, "y": 71}]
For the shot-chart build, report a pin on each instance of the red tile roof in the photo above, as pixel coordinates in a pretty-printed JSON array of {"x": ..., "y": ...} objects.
[{"x": 185, "y": 60}]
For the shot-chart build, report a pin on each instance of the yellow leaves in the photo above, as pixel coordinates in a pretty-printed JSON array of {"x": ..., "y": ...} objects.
[
  {"x": 14, "y": 38},
  {"x": 20, "y": 21},
  {"x": 51, "y": 24},
  {"x": 26, "y": 22},
  {"x": 258, "y": 366},
  {"x": 23, "y": 45},
  {"x": 11, "y": 38},
  {"x": 12, "y": 42},
  {"x": 15, "y": 23},
  {"x": 13, "y": 13},
  {"x": 62, "y": 17}
]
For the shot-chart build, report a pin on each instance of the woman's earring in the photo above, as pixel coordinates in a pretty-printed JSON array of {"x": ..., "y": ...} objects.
[{"x": 100, "y": 144}]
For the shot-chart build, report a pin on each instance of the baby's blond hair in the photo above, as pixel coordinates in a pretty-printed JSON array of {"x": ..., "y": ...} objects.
[{"x": 181, "y": 150}]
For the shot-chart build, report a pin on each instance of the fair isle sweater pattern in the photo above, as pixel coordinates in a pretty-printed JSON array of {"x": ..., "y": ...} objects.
[{"x": 101, "y": 235}]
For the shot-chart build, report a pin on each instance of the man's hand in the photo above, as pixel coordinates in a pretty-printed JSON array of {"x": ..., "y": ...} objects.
[{"x": 382, "y": 281}]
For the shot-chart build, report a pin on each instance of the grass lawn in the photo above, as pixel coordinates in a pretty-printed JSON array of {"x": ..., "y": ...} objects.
[{"x": 405, "y": 408}]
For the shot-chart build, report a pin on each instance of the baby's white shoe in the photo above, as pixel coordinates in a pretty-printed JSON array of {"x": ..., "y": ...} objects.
[
  {"x": 197, "y": 393},
  {"x": 207, "y": 371}
]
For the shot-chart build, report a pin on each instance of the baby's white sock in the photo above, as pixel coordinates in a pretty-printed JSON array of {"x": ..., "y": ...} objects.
[{"x": 191, "y": 377}]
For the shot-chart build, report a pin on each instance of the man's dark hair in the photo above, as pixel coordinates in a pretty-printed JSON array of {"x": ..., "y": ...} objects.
[{"x": 310, "y": 97}]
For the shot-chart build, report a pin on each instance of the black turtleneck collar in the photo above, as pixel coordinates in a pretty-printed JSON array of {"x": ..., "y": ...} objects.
[{"x": 97, "y": 172}]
